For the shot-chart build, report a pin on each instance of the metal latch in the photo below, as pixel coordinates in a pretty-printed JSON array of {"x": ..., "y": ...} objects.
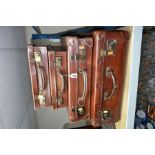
[
  {"x": 37, "y": 56},
  {"x": 79, "y": 110},
  {"x": 110, "y": 48},
  {"x": 60, "y": 100},
  {"x": 41, "y": 99},
  {"x": 106, "y": 114}
]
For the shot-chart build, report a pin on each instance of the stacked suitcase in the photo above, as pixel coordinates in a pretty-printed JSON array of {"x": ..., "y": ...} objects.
[{"x": 85, "y": 75}]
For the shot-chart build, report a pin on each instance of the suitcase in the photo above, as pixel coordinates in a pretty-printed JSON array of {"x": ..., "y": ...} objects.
[
  {"x": 108, "y": 73},
  {"x": 58, "y": 78},
  {"x": 39, "y": 74},
  {"x": 79, "y": 55}
]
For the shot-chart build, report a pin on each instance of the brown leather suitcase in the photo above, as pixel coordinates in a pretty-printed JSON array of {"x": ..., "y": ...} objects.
[
  {"x": 79, "y": 55},
  {"x": 38, "y": 66},
  {"x": 108, "y": 73},
  {"x": 114, "y": 68},
  {"x": 58, "y": 78}
]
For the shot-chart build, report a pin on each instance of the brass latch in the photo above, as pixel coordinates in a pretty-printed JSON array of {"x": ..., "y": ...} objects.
[
  {"x": 110, "y": 48},
  {"x": 106, "y": 114},
  {"x": 79, "y": 110},
  {"x": 41, "y": 99},
  {"x": 37, "y": 56}
]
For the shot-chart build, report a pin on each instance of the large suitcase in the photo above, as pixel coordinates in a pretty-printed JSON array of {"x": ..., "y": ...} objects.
[
  {"x": 108, "y": 73},
  {"x": 58, "y": 78},
  {"x": 39, "y": 73},
  {"x": 79, "y": 55}
]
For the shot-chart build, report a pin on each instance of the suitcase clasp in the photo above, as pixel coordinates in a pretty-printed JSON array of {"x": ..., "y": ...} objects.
[
  {"x": 106, "y": 114},
  {"x": 110, "y": 47},
  {"x": 41, "y": 99},
  {"x": 37, "y": 56}
]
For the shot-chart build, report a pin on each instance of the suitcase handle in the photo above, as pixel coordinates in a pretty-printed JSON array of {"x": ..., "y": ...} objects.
[
  {"x": 84, "y": 92},
  {"x": 42, "y": 78},
  {"x": 62, "y": 79},
  {"x": 109, "y": 73}
]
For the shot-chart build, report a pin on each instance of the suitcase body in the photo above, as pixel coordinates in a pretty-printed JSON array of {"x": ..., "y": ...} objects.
[
  {"x": 107, "y": 80},
  {"x": 39, "y": 74},
  {"x": 79, "y": 55},
  {"x": 114, "y": 67},
  {"x": 58, "y": 80}
]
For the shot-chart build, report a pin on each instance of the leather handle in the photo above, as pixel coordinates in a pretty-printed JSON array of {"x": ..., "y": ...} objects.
[
  {"x": 42, "y": 78},
  {"x": 84, "y": 92},
  {"x": 62, "y": 79},
  {"x": 109, "y": 73}
]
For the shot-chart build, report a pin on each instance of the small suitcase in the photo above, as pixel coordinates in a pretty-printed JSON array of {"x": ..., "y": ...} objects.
[
  {"x": 38, "y": 66},
  {"x": 79, "y": 55},
  {"x": 58, "y": 78}
]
